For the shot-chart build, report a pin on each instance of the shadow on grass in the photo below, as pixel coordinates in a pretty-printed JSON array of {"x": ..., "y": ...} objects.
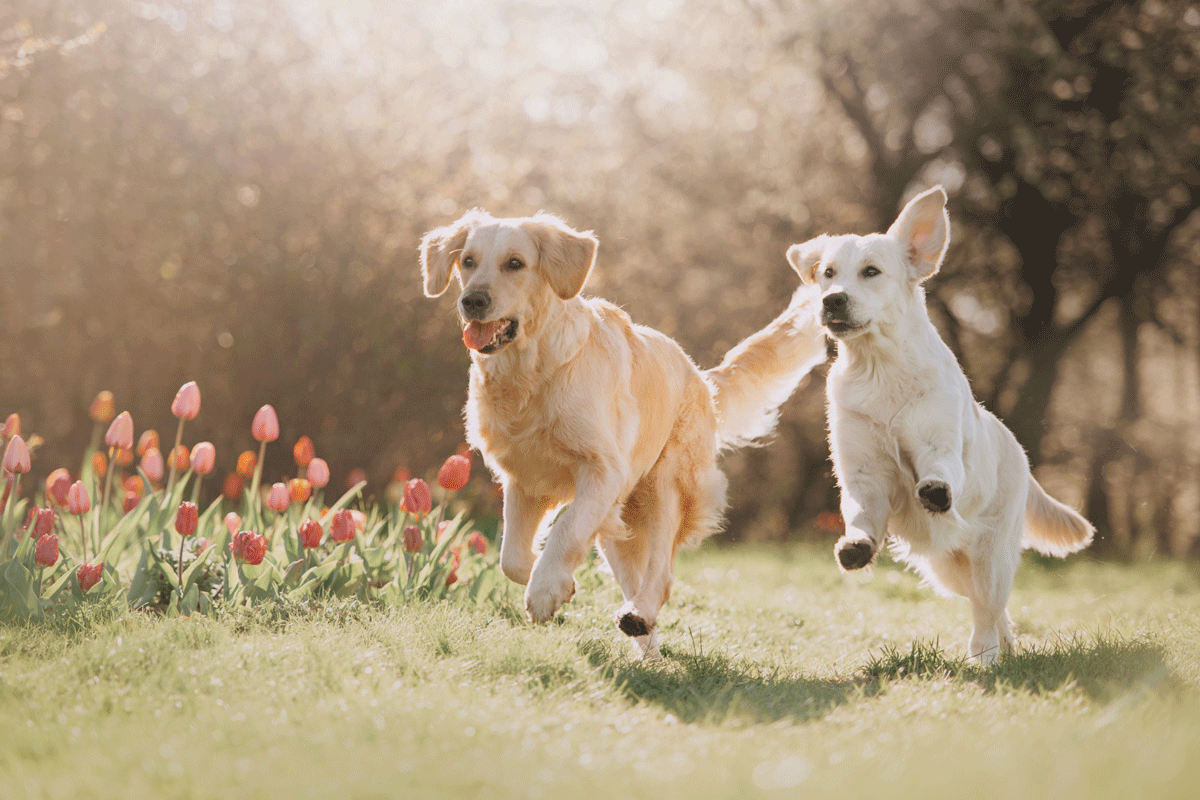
[
  {"x": 710, "y": 688},
  {"x": 1103, "y": 667}
]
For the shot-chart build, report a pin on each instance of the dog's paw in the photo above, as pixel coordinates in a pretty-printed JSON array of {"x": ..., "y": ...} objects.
[
  {"x": 632, "y": 623},
  {"x": 854, "y": 553},
  {"x": 544, "y": 598},
  {"x": 934, "y": 496}
]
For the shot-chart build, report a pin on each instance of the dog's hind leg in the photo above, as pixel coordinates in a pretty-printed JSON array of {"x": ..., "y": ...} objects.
[
  {"x": 992, "y": 574},
  {"x": 638, "y": 617}
]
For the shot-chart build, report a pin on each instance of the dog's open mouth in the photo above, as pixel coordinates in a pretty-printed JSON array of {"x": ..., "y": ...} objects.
[
  {"x": 488, "y": 337},
  {"x": 836, "y": 325}
]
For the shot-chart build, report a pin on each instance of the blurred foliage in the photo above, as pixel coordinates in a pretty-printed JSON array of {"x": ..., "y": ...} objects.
[{"x": 233, "y": 193}]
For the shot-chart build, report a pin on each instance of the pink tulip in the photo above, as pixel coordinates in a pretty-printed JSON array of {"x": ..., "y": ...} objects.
[
  {"x": 16, "y": 456},
  {"x": 78, "y": 501},
  {"x": 152, "y": 464},
  {"x": 342, "y": 527},
  {"x": 318, "y": 473},
  {"x": 12, "y": 426},
  {"x": 120, "y": 432},
  {"x": 233, "y": 522},
  {"x": 265, "y": 427},
  {"x": 310, "y": 533},
  {"x": 204, "y": 455},
  {"x": 102, "y": 409},
  {"x": 57, "y": 484},
  {"x": 89, "y": 575},
  {"x": 45, "y": 552},
  {"x": 187, "y": 401},
  {"x": 44, "y": 524},
  {"x": 187, "y": 518},
  {"x": 277, "y": 499}
]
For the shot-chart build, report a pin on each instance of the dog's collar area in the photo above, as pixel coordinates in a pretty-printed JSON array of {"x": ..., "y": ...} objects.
[{"x": 504, "y": 334}]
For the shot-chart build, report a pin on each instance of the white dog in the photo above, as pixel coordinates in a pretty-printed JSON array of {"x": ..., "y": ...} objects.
[
  {"x": 571, "y": 402},
  {"x": 915, "y": 456}
]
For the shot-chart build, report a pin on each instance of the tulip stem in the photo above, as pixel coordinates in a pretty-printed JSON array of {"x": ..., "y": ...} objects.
[
  {"x": 100, "y": 501},
  {"x": 255, "y": 504},
  {"x": 171, "y": 457},
  {"x": 196, "y": 489},
  {"x": 83, "y": 537},
  {"x": 179, "y": 566}
]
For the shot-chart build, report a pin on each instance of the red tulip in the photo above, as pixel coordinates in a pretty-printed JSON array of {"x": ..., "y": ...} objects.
[
  {"x": 44, "y": 524},
  {"x": 246, "y": 463},
  {"x": 342, "y": 527},
  {"x": 250, "y": 547},
  {"x": 102, "y": 409},
  {"x": 202, "y": 544},
  {"x": 12, "y": 426},
  {"x": 318, "y": 473},
  {"x": 233, "y": 522},
  {"x": 152, "y": 465},
  {"x": 232, "y": 490},
  {"x": 130, "y": 502},
  {"x": 45, "y": 552},
  {"x": 303, "y": 451},
  {"x": 310, "y": 533},
  {"x": 187, "y": 401},
  {"x": 401, "y": 474},
  {"x": 99, "y": 464},
  {"x": 58, "y": 483},
  {"x": 477, "y": 543},
  {"x": 265, "y": 427},
  {"x": 299, "y": 490},
  {"x": 417, "y": 499},
  {"x": 277, "y": 499},
  {"x": 413, "y": 540},
  {"x": 187, "y": 518},
  {"x": 89, "y": 575},
  {"x": 455, "y": 473},
  {"x": 120, "y": 432},
  {"x": 147, "y": 440},
  {"x": 78, "y": 501},
  {"x": 180, "y": 457},
  {"x": 16, "y": 456},
  {"x": 452, "y": 578},
  {"x": 204, "y": 455},
  {"x": 355, "y": 477}
]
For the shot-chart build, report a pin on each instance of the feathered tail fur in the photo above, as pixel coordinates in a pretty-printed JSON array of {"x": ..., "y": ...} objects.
[
  {"x": 761, "y": 372},
  {"x": 1053, "y": 528}
]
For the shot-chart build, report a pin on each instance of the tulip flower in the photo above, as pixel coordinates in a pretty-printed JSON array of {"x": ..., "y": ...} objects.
[
  {"x": 12, "y": 426},
  {"x": 57, "y": 484},
  {"x": 130, "y": 502},
  {"x": 78, "y": 502},
  {"x": 401, "y": 474},
  {"x": 455, "y": 473},
  {"x": 99, "y": 464},
  {"x": 359, "y": 519},
  {"x": 186, "y": 404},
  {"x": 147, "y": 440},
  {"x": 202, "y": 544},
  {"x": 277, "y": 499},
  {"x": 124, "y": 456},
  {"x": 249, "y": 547},
  {"x": 16, "y": 456},
  {"x": 303, "y": 451},
  {"x": 120, "y": 432},
  {"x": 187, "y": 517},
  {"x": 246, "y": 463},
  {"x": 233, "y": 522},
  {"x": 310, "y": 533},
  {"x": 232, "y": 489},
  {"x": 134, "y": 484},
  {"x": 89, "y": 575},
  {"x": 102, "y": 409},
  {"x": 152, "y": 465},
  {"x": 44, "y": 525},
  {"x": 179, "y": 458},
  {"x": 413, "y": 541},
  {"x": 341, "y": 529},
  {"x": 204, "y": 455},
  {"x": 417, "y": 500},
  {"x": 318, "y": 473},
  {"x": 45, "y": 553},
  {"x": 477, "y": 542},
  {"x": 265, "y": 427},
  {"x": 299, "y": 490},
  {"x": 355, "y": 477},
  {"x": 455, "y": 557}
]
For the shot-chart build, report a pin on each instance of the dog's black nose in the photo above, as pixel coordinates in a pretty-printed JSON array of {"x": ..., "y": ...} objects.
[
  {"x": 475, "y": 304},
  {"x": 836, "y": 302}
]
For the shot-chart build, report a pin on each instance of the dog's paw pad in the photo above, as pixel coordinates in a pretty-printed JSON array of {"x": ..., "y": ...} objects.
[
  {"x": 934, "y": 496},
  {"x": 632, "y": 625},
  {"x": 854, "y": 554}
]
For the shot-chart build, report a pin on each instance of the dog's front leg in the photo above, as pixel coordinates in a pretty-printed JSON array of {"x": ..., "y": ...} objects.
[
  {"x": 522, "y": 515},
  {"x": 936, "y": 451},
  {"x": 866, "y": 473},
  {"x": 552, "y": 583}
]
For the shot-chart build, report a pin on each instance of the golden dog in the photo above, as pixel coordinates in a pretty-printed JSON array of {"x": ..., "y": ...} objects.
[{"x": 571, "y": 402}]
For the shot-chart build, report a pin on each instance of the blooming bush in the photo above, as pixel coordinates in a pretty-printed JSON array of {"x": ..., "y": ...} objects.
[{"x": 122, "y": 536}]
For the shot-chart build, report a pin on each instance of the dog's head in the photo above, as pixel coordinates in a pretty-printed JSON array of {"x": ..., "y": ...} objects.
[
  {"x": 868, "y": 282},
  {"x": 510, "y": 271}
]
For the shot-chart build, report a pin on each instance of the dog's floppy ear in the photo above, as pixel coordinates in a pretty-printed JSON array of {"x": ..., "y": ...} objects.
[
  {"x": 805, "y": 257},
  {"x": 565, "y": 256},
  {"x": 440, "y": 249},
  {"x": 923, "y": 230}
]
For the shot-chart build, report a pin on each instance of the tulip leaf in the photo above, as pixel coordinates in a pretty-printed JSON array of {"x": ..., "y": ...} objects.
[
  {"x": 191, "y": 599},
  {"x": 342, "y": 502},
  {"x": 189, "y": 574},
  {"x": 20, "y": 599}
]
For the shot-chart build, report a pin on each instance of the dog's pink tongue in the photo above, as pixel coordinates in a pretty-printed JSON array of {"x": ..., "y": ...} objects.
[{"x": 478, "y": 334}]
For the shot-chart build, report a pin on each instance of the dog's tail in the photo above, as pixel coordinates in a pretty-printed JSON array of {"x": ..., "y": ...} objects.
[
  {"x": 759, "y": 374},
  {"x": 1053, "y": 528}
]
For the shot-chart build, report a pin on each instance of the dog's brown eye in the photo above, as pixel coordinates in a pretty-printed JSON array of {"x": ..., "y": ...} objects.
[
  {"x": 515, "y": 263},
  {"x": 829, "y": 272},
  {"x": 468, "y": 262},
  {"x": 870, "y": 272}
]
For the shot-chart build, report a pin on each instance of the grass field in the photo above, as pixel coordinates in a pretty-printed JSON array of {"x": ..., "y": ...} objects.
[{"x": 780, "y": 678}]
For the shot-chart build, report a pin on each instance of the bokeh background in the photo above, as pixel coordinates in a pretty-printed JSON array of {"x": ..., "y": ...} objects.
[{"x": 233, "y": 192}]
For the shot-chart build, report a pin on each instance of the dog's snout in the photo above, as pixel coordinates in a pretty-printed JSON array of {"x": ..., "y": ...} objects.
[
  {"x": 837, "y": 301},
  {"x": 475, "y": 304}
]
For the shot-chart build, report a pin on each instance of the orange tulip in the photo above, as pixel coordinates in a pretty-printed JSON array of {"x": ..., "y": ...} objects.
[
  {"x": 181, "y": 458},
  {"x": 134, "y": 484},
  {"x": 12, "y": 426},
  {"x": 124, "y": 456},
  {"x": 99, "y": 464},
  {"x": 246, "y": 463},
  {"x": 303, "y": 451},
  {"x": 147, "y": 440},
  {"x": 102, "y": 409},
  {"x": 299, "y": 490},
  {"x": 232, "y": 490}
]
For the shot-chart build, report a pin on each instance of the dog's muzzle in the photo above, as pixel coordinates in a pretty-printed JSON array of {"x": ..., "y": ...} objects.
[{"x": 835, "y": 313}]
